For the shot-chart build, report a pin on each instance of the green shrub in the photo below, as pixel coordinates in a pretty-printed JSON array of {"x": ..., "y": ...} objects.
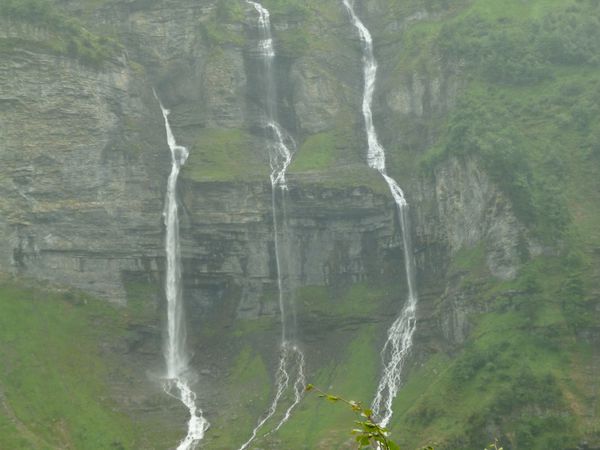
[
  {"x": 521, "y": 53},
  {"x": 571, "y": 36}
]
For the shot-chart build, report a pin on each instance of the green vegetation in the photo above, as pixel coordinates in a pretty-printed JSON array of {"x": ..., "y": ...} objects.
[
  {"x": 53, "y": 391},
  {"x": 58, "y": 365},
  {"x": 517, "y": 371},
  {"x": 357, "y": 299},
  {"x": 367, "y": 432},
  {"x": 524, "y": 51},
  {"x": 315, "y": 425},
  {"x": 67, "y": 36},
  {"x": 303, "y": 35},
  {"x": 220, "y": 34},
  {"x": 527, "y": 109},
  {"x": 220, "y": 154},
  {"x": 339, "y": 344},
  {"x": 318, "y": 152},
  {"x": 514, "y": 373},
  {"x": 529, "y": 172},
  {"x": 294, "y": 10},
  {"x": 249, "y": 373},
  {"x": 230, "y": 11},
  {"x": 350, "y": 176}
]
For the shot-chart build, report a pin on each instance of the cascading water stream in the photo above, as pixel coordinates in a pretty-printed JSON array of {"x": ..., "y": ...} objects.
[
  {"x": 400, "y": 334},
  {"x": 176, "y": 383},
  {"x": 281, "y": 148}
]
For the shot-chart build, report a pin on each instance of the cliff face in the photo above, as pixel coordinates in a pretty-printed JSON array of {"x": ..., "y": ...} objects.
[
  {"x": 78, "y": 204},
  {"x": 84, "y": 167},
  {"x": 84, "y": 154}
]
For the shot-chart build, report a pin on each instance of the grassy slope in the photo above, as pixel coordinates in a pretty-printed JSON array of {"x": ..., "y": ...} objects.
[
  {"x": 514, "y": 380},
  {"x": 223, "y": 155},
  {"x": 53, "y": 385},
  {"x": 55, "y": 372}
]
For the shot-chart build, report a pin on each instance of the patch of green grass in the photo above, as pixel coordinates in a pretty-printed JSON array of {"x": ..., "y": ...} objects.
[
  {"x": 355, "y": 300},
  {"x": 347, "y": 361},
  {"x": 250, "y": 388},
  {"x": 141, "y": 301},
  {"x": 224, "y": 155},
  {"x": 11, "y": 436},
  {"x": 352, "y": 374},
  {"x": 53, "y": 377},
  {"x": 344, "y": 177},
  {"x": 259, "y": 325},
  {"x": 514, "y": 9},
  {"x": 318, "y": 152},
  {"x": 292, "y": 9}
]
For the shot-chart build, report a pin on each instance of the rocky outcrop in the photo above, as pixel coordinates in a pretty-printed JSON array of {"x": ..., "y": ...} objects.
[
  {"x": 333, "y": 236},
  {"x": 316, "y": 98},
  {"x": 461, "y": 207}
]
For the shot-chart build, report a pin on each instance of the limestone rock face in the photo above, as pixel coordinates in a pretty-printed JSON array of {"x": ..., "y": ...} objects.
[
  {"x": 331, "y": 237},
  {"x": 78, "y": 203},
  {"x": 316, "y": 102},
  {"x": 470, "y": 210}
]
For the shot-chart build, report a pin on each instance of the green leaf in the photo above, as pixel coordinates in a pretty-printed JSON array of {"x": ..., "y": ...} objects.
[
  {"x": 393, "y": 446},
  {"x": 370, "y": 425}
]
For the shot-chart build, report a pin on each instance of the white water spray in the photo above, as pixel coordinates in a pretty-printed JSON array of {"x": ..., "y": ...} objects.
[
  {"x": 176, "y": 383},
  {"x": 281, "y": 148},
  {"x": 400, "y": 334}
]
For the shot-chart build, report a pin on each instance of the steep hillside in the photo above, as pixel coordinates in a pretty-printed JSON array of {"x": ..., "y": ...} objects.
[{"x": 488, "y": 112}]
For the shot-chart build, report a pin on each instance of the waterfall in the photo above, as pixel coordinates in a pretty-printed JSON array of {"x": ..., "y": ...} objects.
[
  {"x": 400, "y": 334},
  {"x": 176, "y": 383},
  {"x": 281, "y": 148}
]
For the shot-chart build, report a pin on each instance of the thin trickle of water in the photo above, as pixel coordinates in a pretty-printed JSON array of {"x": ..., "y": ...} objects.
[
  {"x": 400, "y": 334},
  {"x": 176, "y": 383},
  {"x": 282, "y": 381},
  {"x": 281, "y": 149},
  {"x": 299, "y": 386}
]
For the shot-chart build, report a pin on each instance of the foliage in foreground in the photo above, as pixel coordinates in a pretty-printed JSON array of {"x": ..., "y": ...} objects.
[{"x": 368, "y": 433}]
